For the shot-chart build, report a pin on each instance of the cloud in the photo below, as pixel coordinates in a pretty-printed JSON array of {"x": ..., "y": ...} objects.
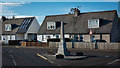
[
  {"x": 13, "y": 4},
  {"x": 20, "y": 16},
  {"x": 5, "y": 8},
  {"x": 7, "y": 11},
  {"x": 23, "y": 16}
]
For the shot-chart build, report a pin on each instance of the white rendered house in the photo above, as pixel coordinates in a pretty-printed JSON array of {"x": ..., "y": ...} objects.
[
  {"x": 103, "y": 25},
  {"x": 19, "y": 28}
]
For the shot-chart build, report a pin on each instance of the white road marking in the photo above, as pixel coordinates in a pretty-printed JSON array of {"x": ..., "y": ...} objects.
[
  {"x": 12, "y": 58},
  {"x": 44, "y": 58},
  {"x": 114, "y": 61}
]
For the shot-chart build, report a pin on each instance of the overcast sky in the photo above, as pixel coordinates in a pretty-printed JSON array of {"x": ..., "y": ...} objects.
[{"x": 41, "y": 9}]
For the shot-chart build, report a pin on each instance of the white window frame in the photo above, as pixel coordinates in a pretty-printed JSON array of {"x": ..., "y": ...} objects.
[
  {"x": 98, "y": 24},
  {"x": 53, "y": 24},
  {"x": 10, "y": 26}
]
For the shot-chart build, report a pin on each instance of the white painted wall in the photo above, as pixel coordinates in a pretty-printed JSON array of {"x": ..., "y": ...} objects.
[
  {"x": 7, "y": 38},
  {"x": 25, "y": 36},
  {"x": 39, "y": 37},
  {"x": 43, "y": 38},
  {"x": 34, "y": 27},
  {"x": 19, "y": 36},
  {"x": 12, "y": 37}
]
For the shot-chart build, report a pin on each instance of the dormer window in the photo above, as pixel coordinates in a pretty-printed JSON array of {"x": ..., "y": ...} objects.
[
  {"x": 8, "y": 27},
  {"x": 51, "y": 25},
  {"x": 93, "y": 23}
]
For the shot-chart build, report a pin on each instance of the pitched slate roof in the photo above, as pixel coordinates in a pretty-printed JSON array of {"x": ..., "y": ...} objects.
[
  {"x": 16, "y": 23},
  {"x": 79, "y": 25},
  {"x": 25, "y": 25}
]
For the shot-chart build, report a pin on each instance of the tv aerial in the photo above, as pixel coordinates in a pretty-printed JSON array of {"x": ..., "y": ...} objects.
[{"x": 78, "y": 7}]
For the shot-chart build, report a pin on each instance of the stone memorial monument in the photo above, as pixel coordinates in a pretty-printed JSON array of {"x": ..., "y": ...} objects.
[{"x": 62, "y": 50}]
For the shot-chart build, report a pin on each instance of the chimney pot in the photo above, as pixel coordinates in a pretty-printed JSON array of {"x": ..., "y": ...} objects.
[
  {"x": 76, "y": 12},
  {"x": 13, "y": 17},
  {"x": 3, "y": 18}
]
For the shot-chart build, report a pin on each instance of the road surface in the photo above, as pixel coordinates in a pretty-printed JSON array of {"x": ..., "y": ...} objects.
[
  {"x": 12, "y": 56},
  {"x": 27, "y": 56}
]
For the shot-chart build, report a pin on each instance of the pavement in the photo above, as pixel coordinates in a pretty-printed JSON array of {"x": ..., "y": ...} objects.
[
  {"x": 37, "y": 56},
  {"x": 83, "y": 60}
]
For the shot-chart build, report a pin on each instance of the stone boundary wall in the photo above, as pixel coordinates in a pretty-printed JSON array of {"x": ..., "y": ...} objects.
[{"x": 87, "y": 45}]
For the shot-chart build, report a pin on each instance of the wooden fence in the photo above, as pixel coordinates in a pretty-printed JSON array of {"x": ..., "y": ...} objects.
[{"x": 41, "y": 44}]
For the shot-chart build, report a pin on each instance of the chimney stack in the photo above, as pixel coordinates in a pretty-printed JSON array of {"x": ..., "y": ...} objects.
[
  {"x": 76, "y": 12},
  {"x": 3, "y": 18}
]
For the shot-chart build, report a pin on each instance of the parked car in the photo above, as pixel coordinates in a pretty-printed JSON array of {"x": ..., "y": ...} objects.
[{"x": 98, "y": 40}]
